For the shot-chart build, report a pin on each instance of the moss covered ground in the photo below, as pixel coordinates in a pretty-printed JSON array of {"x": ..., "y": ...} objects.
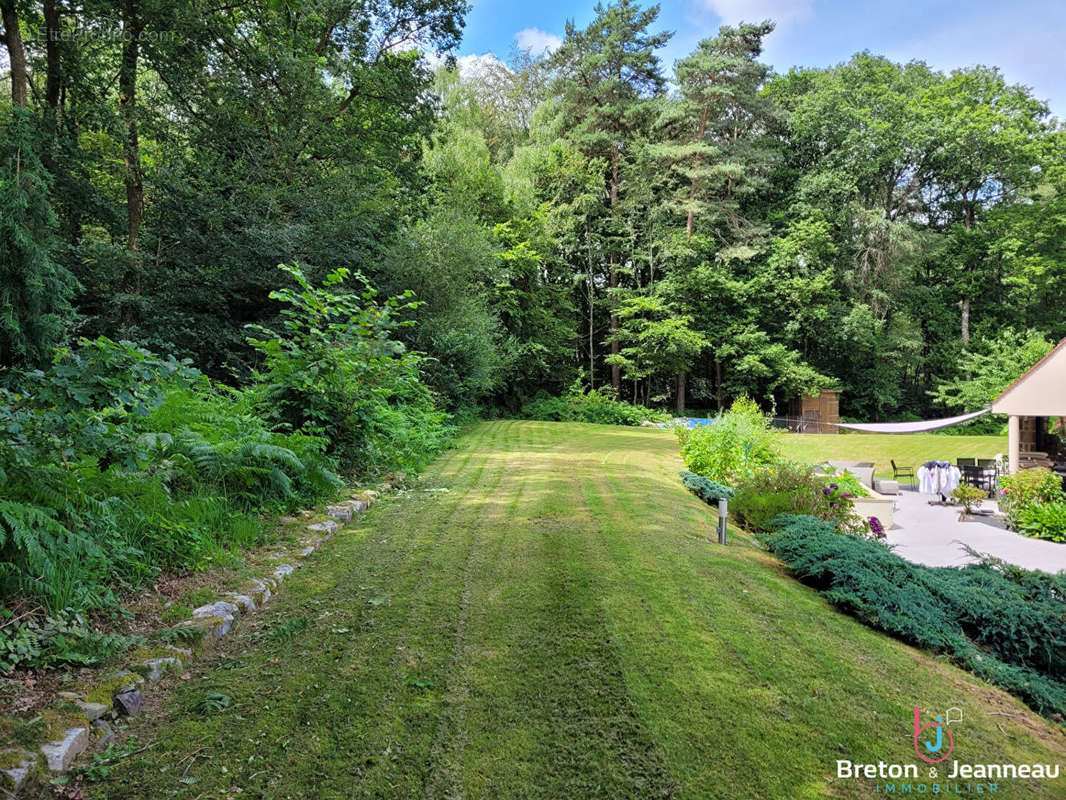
[{"x": 557, "y": 624}]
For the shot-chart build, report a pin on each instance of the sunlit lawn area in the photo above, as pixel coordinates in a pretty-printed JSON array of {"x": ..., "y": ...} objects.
[
  {"x": 908, "y": 449},
  {"x": 559, "y": 624}
]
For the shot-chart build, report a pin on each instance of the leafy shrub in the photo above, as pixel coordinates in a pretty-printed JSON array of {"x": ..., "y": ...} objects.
[
  {"x": 845, "y": 481},
  {"x": 1006, "y": 624},
  {"x": 969, "y": 497},
  {"x": 792, "y": 488},
  {"x": 599, "y": 406},
  {"x": 335, "y": 371},
  {"x": 1047, "y": 521},
  {"x": 1039, "y": 485},
  {"x": 735, "y": 445}
]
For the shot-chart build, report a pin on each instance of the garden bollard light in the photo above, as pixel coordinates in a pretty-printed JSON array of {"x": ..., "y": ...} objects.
[{"x": 723, "y": 516}]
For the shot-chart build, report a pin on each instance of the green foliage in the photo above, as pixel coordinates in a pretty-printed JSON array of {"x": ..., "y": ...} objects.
[
  {"x": 969, "y": 497},
  {"x": 793, "y": 488},
  {"x": 117, "y": 465},
  {"x": 990, "y": 366},
  {"x": 1003, "y": 623},
  {"x": 335, "y": 371},
  {"x": 600, "y": 406},
  {"x": 1026, "y": 488},
  {"x": 1043, "y": 521},
  {"x": 64, "y": 638},
  {"x": 707, "y": 491},
  {"x": 35, "y": 310},
  {"x": 734, "y": 445},
  {"x": 209, "y": 702}
]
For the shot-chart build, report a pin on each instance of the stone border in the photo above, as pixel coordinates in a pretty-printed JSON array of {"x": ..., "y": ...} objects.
[{"x": 121, "y": 693}]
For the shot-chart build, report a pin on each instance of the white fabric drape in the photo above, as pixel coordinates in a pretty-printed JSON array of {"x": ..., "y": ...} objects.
[{"x": 912, "y": 427}]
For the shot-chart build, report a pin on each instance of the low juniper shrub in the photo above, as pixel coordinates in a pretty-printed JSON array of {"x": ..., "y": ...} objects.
[{"x": 1006, "y": 624}]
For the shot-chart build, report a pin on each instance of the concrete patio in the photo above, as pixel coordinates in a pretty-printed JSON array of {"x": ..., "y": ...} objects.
[{"x": 933, "y": 535}]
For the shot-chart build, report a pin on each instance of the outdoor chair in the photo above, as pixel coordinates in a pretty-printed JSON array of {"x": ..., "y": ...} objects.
[
  {"x": 965, "y": 462},
  {"x": 980, "y": 477},
  {"x": 903, "y": 472}
]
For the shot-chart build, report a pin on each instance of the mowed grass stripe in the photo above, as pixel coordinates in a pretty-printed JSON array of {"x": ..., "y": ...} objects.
[
  {"x": 547, "y": 715},
  {"x": 558, "y": 624}
]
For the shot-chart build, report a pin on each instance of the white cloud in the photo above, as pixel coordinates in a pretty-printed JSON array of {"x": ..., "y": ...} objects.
[
  {"x": 780, "y": 11},
  {"x": 535, "y": 41},
  {"x": 473, "y": 66}
]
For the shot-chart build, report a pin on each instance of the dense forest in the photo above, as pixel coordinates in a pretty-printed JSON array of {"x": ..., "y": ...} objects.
[{"x": 684, "y": 234}]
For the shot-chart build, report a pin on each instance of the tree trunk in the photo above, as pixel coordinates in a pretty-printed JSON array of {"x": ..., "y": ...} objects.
[
  {"x": 969, "y": 221},
  {"x": 16, "y": 54},
  {"x": 681, "y": 394},
  {"x": 127, "y": 98},
  {"x": 718, "y": 383},
  {"x": 692, "y": 190},
  {"x": 612, "y": 277},
  {"x": 53, "y": 68}
]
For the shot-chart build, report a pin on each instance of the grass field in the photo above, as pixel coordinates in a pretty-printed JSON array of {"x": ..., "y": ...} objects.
[
  {"x": 908, "y": 450},
  {"x": 557, "y": 624}
]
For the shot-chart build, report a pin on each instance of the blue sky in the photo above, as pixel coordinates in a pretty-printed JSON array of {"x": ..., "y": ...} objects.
[{"x": 1024, "y": 38}]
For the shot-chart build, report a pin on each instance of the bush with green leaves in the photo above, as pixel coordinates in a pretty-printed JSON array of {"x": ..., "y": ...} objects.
[
  {"x": 1028, "y": 487},
  {"x": 736, "y": 444},
  {"x": 1006, "y": 624},
  {"x": 117, "y": 465},
  {"x": 601, "y": 406},
  {"x": 334, "y": 370},
  {"x": 1043, "y": 521},
  {"x": 793, "y": 488},
  {"x": 969, "y": 497}
]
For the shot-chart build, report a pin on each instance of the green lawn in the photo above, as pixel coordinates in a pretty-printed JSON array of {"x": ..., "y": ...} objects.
[
  {"x": 558, "y": 624},
  {"x": 908, "y": 449}
]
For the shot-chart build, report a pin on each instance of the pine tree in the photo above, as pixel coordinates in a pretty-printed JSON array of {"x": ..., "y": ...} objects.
[
  {"x": 608, "y": 74},
  {"x": 35, "y": 291},
  {"x": 721, "y": 144}
]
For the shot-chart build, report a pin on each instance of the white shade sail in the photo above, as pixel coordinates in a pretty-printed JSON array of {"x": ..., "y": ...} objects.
[{"x": 913, "y": 427}]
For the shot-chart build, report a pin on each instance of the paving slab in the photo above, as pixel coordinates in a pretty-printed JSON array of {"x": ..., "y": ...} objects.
[{"x": 933, "y": 535}]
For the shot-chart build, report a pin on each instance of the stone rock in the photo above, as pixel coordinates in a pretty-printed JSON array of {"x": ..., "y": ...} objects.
[
  {"x": 125, "y": 681},
  {"x": 129, "y": 704},
  {"x": 210, "y": 628},
  {"x": 70, "y": 695},
  {"x": 12, "y": 778},
  {"x": 372, "y": 494},
  {"x": 358, "y": 506},
  {"x": 306, "y": 551},
  {"x": 158, "y": 667},
  {"x": 287, "y": 520},
  {"x": 328, "y": 526},
  {"x": 105, "y": 734},
  {"x": 60, "y": 755},
  {"x": 181, "y": 652},
  {"x": 245, "y": 603},
  {"x": 92, "y": 711},
  {"x": 282, "y": 571},
  {"x": 219, "y": 608},
  {"x": 341, "y": 513},
  {"x": 257, "y": 590}
]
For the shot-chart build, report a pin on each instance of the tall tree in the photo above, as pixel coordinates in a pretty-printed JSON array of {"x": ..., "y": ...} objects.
[
  {"x": 608, "y": 74},
  {"x": 16, "y": 53}
]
